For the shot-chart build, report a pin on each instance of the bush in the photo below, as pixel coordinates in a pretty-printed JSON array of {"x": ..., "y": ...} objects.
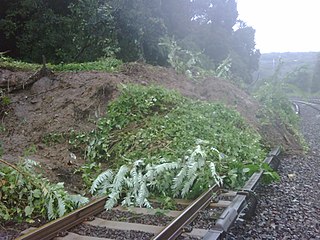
[
  {"x": 25, "y": 195},
  {"x": 157, "y": 142}
]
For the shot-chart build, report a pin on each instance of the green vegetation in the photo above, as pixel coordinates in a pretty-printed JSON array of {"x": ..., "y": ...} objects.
[
  {"x": 158, "y": 143},
  {"x": 105, "y": 64},
  {"x": 274, "y": 97},
  {"x": 26, "y": 195},
  {"x": 86, "y": 30},
  {"x": 299, "y": 71}
]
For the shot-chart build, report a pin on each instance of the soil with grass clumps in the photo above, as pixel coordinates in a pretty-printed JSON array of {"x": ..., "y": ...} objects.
[
  {"x": 40, "y": 116},
  {"x": 73, "y": 101}
]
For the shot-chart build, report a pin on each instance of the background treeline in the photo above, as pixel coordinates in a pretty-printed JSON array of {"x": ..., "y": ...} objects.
[
  {"x": 301, "y": 70},
  {"x": 205, "y": 32}
]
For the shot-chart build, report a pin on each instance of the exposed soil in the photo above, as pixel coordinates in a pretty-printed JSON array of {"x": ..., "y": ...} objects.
[
  {"x": 65, "y": 101},
  {"x": 61, "y": 102}
]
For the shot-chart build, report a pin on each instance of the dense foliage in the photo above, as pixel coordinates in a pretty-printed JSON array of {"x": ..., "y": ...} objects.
[
  {"x": 85, "y": 30},
  {"x": 276, "y": 106},
  {"x": 25, "y": 195},
  {"x": 157, "y": 142}
]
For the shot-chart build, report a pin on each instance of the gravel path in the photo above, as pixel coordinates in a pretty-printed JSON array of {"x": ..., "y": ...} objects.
[{"x": 290, "y": 209}]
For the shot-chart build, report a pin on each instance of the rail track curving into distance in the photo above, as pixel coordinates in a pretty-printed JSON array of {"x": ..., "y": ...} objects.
[
  {"x": 216, "y": 210},
  {"x": 313, "y": 103}
]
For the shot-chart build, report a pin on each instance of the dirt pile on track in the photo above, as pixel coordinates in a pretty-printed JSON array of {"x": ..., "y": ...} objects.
[{"x": 75, "y": 100}]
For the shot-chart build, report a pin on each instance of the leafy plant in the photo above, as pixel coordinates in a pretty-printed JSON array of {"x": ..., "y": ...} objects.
[
  {"x": 139, "y": 179},
  {"x": 89, "y": 172},
  {"x": 32, "y": 149},
  {"x": 25, "y": 195},
  {"x": 194, "y": 64},
  {"x": 53, "y": 137},
  {"x": 276, "y": 105},
  {"x": 157, "y": 142}
]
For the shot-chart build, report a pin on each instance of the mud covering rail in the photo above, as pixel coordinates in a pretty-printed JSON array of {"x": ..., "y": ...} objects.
[{"x": 231, "y": 213}]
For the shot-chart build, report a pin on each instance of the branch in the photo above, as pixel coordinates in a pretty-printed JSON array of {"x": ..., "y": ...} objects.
[{"x": 12, "y": 166}]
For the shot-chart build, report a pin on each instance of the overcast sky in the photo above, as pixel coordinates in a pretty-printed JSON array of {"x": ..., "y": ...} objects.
[{"x": 283, "y": 25}]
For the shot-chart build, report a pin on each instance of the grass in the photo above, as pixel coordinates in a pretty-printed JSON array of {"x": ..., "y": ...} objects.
[{"x": 104, "y": 64}]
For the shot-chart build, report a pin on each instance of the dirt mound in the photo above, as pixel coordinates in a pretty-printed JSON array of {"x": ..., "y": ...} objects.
[{"x": 67, "y": 101}]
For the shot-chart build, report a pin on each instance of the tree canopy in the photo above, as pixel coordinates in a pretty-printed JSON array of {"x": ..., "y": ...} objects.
[{"x": 85, "y": 30}]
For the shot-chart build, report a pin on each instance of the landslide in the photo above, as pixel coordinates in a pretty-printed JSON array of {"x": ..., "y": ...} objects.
[{"x": 65, "y": 101}]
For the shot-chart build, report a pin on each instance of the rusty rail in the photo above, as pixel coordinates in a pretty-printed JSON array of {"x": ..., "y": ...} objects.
[
  {"x": 51, "y": 229},
  {"x": 231, "y": 213},
  {"x": 175, "y": 228}
]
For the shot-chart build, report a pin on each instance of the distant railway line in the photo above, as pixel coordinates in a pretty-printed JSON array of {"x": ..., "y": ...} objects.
[
  {"x": 313, "y": 103},
  {"x": 210, "y": 216}
]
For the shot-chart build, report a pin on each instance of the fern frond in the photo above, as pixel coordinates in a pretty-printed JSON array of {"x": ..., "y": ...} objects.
[
  {"x": 142, "y": 194},
  {"x": 61, "y": 207},
  {"x": 78, "y": 200},
  {"x": 50, "y": 209},
  {"x": 146, "y": 203},
  {"x": 187, "y": 186},
  {"x": 178, "y": 180},
  {"x": 216, "y": 177},
  {"x": 168, "y": 166},
  {"x": 119, "y": 178},
  {"x": 104, "y": 178},
  {"x": 117, "y": 185}
]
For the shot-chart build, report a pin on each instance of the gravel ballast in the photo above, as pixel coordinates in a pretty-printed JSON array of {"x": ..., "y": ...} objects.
[{"x": 290, "y": 209}]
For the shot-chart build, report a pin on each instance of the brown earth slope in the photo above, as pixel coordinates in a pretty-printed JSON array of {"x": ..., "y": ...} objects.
[{"x": 66, "y": 101}]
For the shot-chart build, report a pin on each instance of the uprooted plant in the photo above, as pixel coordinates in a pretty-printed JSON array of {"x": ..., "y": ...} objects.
[
  {"x": 26, "y": 195},
  {"x": 157, "y": 143}
]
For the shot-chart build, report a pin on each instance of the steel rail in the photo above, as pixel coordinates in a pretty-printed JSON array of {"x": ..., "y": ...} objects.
[
  {"x": 231, "y": 213},
  {"x": 175, "y": 228},
  {"x": 308, "y": 104},
  {"x": 51, "y": 229}
]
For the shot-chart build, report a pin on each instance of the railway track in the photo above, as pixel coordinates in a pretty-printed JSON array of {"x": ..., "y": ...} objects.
[
  {"x": 313, "y": 103},
  {"x": 208, "y": 217}
]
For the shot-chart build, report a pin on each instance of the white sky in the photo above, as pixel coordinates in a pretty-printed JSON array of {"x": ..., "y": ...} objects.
[{"x": 283, "y": 25}]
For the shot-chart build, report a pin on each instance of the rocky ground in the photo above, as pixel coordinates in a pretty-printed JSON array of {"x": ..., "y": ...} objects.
[{"x": 290, "y": 209}]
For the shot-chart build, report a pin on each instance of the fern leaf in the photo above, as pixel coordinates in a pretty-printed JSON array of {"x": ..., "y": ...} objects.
[
  {"x": 78, "y": 200},
  {"x": 61, "y": 207},
  {"x": 166, "y": 167},
  {"x": 143, "y": 194},
  {"x": 187, "y": 186},
  {"x": 50, "y": 210},
  {"x": 119, "y": 178},
  {"x": 178, "y": 180},
  {"x": 146, "y": 203},
  {"x": 104, "y": 178}
]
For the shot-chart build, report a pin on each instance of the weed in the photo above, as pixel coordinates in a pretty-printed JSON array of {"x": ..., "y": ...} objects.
[
  {"x": 32, "y": 149},
  {"x": 104, "y": 64},
  {"x": 160, "y": 143},
  {"x": 53, "y": 138},
  {"x": 89, "y": 172},
  {"x": 26, "y": 195}
]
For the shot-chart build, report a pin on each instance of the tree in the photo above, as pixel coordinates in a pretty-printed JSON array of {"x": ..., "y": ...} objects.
[
  {"x": 70, "y": 31},
  {"x": 139, "y": 30},
  {"x": 245, "y": 56},
  {"x": 315, "y": 84}
]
